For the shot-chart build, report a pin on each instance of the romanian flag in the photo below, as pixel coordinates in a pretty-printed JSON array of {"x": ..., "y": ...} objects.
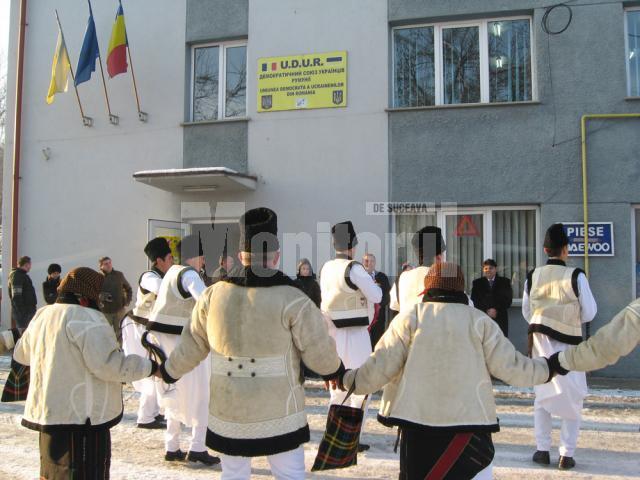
[
  {"x": 59, "y": 70},
  {"x": 117, "y": 55}
]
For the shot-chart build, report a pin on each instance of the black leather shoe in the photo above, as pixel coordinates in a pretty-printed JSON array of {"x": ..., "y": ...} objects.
[
  {"x": 160, "y": 418},
  {"x": 566, "y": 463},
  {"x": 541, "y": 458},
  {"x": 203, "y": 457},
  {"x": 177, "y": 456},
  {"x": 363, "y": 447},
  {"x": 155, "y": 425}
]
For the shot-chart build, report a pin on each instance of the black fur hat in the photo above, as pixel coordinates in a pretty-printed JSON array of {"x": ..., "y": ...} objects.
[
  {"x": 259, "y": 230},
  {"x": 428, "y": 242},
  {"x": 344, "y": 236},
  {"x": 190, "y": 247},
  {"x": 157, "y": 248},
  {"x": 555, "y": 236}
]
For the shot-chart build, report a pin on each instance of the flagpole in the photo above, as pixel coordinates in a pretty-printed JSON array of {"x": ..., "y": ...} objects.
[
  {"x": 113, "y": 119},
  {"x": 86, "y": 121},
  {"x": 142, "y": 116}
]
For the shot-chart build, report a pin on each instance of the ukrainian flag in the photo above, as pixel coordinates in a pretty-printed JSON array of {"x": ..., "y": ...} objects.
[
  {"x": 59, "y": 70},
  {"x": 117, "y": 54}
]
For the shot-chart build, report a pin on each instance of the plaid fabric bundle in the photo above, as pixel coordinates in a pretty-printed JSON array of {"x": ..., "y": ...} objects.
[
  {"x": 339, "y": 445},
  {"x": 17, "y": 384}
]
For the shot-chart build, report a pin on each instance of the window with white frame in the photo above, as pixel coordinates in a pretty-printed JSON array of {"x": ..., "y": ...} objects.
[
  {"x": 219, "y": 81},
  {"x": 632, "y": 29},
  {"x": 485, "y": 61},
  {"x": 509, "y": 235}
]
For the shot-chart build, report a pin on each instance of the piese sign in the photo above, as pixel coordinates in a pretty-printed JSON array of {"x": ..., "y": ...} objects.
[{"x": 600, "y": 239}]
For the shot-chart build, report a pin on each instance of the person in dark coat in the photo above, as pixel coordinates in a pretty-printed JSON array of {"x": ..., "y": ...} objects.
[
  {"x": 493, "y": 294},
  {"x": 22, "y": 294},
  {"x": 50, "y": 285},
  {"x": 379, "y": 322},
  {"x": 306, "y": 281}
]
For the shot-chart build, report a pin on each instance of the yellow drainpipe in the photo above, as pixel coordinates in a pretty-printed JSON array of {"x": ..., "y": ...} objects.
[{"x": 585, "y": 205}]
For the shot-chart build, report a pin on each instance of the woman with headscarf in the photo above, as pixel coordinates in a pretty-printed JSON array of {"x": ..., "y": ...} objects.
[
  {"x": 306, "y": 281},
  {"x": 436, "y": 360},
  {"x": 77, "y": 370}
]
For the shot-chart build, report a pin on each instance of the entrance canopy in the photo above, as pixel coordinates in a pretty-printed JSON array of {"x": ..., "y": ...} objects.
[{"x": 197, "y": 180}]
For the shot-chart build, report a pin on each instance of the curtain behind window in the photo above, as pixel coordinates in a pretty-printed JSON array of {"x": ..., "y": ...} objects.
[{"x": 514, "y": 245}]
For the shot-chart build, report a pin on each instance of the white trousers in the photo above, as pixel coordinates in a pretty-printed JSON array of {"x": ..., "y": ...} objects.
[
  {"x": 148, "y": 407},
  {"x": 568, "y": 433},
  {"x": 486, "y": 474},
  {"x": 172, "y": 437},
  {"x": 284, "y": 466}
]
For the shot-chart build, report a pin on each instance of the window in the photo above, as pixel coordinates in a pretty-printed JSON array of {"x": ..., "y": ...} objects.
[
  {"x": 472, "y": 62},
  {"x": 632, "y": 29},
  {"x": 508, "y": 235},
  {"x": 219, "y": 87}
]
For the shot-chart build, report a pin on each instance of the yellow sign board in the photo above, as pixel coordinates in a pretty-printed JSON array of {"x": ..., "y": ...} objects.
[{"x": 302, "y": 82}]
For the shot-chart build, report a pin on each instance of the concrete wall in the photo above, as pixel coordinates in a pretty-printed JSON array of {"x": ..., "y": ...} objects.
[
  {"x": 530, "y": 153},
  {"x": 322, "y": 165},
  {"x": 216, "y": 144},
  {"x": 213, "y": 20},
  {"x": 83, "y": 203}
]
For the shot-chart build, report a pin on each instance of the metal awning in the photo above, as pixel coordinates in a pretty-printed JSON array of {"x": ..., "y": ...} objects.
[{"x": 197, "y": 180}]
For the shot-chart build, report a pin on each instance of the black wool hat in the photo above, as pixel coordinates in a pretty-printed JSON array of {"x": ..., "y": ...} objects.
[
  {"x": 259, "y": 231},
  {"x": 555, "y": 236},
  {"x": 428, "y": 242},
  {"x": 190, "y": 247},
  {"x": 344, "y": 236},
  {"x": 157, "y": 248}
]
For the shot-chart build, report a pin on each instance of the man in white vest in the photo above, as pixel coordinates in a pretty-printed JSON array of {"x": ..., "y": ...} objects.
[
  {"x": 557, "y": 300},
  {"x": 407, "y": 291},
  {"x": 185, "y": 402},
  {"x": 134, "y": 325},
  {"x": 348, "y": 296},
  {"x": 258, "y": 327}
]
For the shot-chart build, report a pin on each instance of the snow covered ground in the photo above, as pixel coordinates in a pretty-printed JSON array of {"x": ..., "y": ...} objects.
[{"x": 609, "y": 445}]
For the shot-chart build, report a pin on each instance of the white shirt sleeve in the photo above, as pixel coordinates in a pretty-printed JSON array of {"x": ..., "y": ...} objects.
[
  {"x": 193, "y": 284},
  {"x": 151, "y": 282},
  {"x": 588, "y": 307},
  {"x": 393, "y": 304},
  {"x": 359, "y": 276},
  {"x": 526, "y": 306}
]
